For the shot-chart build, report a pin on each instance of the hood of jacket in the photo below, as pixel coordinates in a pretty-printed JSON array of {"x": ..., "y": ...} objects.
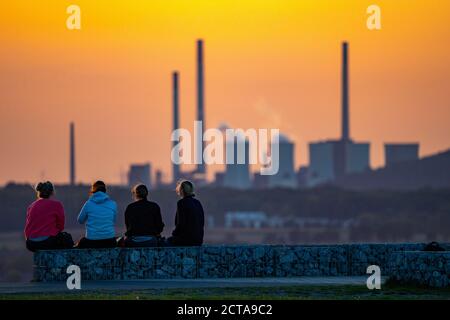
[{"x": 99, "y": 197}]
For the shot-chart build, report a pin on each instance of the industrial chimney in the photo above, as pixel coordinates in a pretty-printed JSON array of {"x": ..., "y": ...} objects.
[
  {"x": 175, "y": 100},
  {"x": 72, "y": 154},
  {"x": 345, "y": 102},
  {"x": 200, "y": 97}
]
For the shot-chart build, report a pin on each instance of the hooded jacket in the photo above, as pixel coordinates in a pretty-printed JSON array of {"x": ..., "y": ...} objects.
[{"x": 99, "y": 213}]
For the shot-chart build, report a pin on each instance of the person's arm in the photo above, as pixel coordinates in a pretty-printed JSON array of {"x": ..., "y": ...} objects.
[
  {"x": 127, "y": 218},
  {"x": 27, "y": 223},
  {"x": 82, "y": 217},
  {"x": 180, "y": 221},
  {"x": 60, "y": 218},
  {"x": 115, "y": 213},
  {"x": 158, "y": 220},
  {"x": 127, "y": 221}
]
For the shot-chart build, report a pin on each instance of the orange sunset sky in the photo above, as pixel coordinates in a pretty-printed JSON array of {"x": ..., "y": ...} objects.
[{"x": 269, "y": 64}]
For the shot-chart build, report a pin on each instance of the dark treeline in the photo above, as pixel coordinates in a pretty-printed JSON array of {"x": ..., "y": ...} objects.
[{"x": 390, "y": 212}]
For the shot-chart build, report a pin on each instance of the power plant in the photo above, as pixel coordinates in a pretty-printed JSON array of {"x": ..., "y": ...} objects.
[
  {"x": 329, "y": 160},
  {"x": 333, "y": 159}
]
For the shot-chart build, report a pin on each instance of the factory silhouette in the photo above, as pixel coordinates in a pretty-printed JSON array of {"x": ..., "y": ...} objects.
[{"x": 342, "y": 162}]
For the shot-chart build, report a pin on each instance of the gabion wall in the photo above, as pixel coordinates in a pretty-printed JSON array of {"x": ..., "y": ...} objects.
[
  {"x": 233, "y": 261},
  {"x": 430, "y": 269}
]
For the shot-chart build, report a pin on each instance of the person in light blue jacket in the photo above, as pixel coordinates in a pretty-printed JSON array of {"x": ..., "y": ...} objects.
[{"x": 99, "y": 214}]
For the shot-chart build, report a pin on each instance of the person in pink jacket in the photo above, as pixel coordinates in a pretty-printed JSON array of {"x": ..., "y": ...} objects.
[{"x": 44, "y": 225}]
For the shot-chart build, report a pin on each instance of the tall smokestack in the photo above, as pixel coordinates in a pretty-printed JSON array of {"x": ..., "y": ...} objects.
[
  {"x": 345, "y": 102},
  {"x": 200, "y": 96},
  {"x": 175, "y": 100},
  {"x": 72, "y": 154}
]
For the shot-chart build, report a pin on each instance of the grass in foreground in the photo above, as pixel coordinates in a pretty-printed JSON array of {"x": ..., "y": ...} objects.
[{"x": 347, "y": 292}]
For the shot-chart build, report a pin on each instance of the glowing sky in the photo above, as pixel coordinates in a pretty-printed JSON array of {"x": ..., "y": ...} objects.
[{"x": 269, "y": 63}]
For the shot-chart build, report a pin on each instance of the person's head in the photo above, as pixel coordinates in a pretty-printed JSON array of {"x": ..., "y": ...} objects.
[
  {"x": 98, "y": 186},
  {"x": 185, "y": 188},
  {"x": 44, "y": 190},
  {"x": 140, "y": 192}
]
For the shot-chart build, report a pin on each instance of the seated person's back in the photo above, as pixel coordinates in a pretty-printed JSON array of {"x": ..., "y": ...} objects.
[
  {"x": 99, "y": 214},
  {"x": 143, "y": 220},
  {"x": 45, "y": 222},
  {"x": 45, "y": 217},
  {"x": 189, "y": 218}
]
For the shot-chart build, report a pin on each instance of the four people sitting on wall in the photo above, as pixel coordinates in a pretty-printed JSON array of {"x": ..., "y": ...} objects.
[{"x": 45, "y": 220}]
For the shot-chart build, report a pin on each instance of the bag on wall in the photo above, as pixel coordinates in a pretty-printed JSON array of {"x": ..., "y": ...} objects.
[
  {"x": 64, "y": 240},
  {"x": 433, "y": 246}
]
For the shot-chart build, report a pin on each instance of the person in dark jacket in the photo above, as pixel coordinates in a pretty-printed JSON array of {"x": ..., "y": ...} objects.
[
  {"x": 189, "y": 218},
  {"x": 143, "y": 220}
]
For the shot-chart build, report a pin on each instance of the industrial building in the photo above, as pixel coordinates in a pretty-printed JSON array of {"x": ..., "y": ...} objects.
[
  {"x": 286, "y": 176},
  {"x": 140, "y": 173},
  {"x": 237, "y": 175},
  {"x": 332, "y": 159},
  {"x": 395, "y": 153}
]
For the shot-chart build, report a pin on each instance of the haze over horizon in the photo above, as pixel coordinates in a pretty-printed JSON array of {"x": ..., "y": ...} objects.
[{"x": 271, "y": 64}]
